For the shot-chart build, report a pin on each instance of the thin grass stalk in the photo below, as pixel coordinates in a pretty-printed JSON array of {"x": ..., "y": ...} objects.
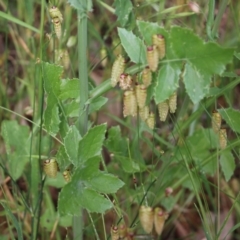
[
  {"x": 222, "y": 8},
  {"x": 78, "y": 222},
  {"x": 36, "y": 174},
  {"x": 210, "y": 19}
]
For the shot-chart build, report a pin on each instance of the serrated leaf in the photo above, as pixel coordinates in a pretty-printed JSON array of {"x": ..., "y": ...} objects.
[
  {"x": 88, "y": 171},
  {"x": 105, "y": 183},
  {"x": 114, "y": 142},
  {"x": 167, "y": 83},
  {"x": 16, "y": 139},
  {"x": 129, "y": 166},
  {"x": 123, "y": 10},
  {"x": 94, "y": 202},
  {"x": 133, "y": 46},
  {"x": 209, "y": 57},
  {"x": 205, "y": 59},
  {"x": 62, "y": 158},
  {"x": 52, "y": 73},
  {"x": 231, "y": 116},
  {"x": 75, "y": 194},
  {"x": 196, "y": 83},
  {"x": 71, "y": 142},
  {"x": 69, "y": 88},
  {"x": 227, "y": 164},
  {"x": 68, "y": 200},
  {"x": 91, "y": 144}
]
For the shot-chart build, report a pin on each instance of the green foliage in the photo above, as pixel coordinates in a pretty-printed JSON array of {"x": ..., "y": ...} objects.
[
  {"x": 133, "y": 45},
  {"x": 17, "y": 144},
  {"x": 52, "y": 75},
  {"x": 231, "y": 116},
  {"x": 201, "y": 60},
  {"x": 227, "y": 164},
  {"x": 85, "y": 188},
  {"x": 123, "y": 11},
  {"x": 154, "y": 159}
]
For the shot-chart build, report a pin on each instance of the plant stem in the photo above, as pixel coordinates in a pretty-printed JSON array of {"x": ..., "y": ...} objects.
[
  {"x": 36, "y": 175},
  {"x": 223, "y": 5},
  {"x": 83, "y": 113},
  {"x": 210, "y": 19}
]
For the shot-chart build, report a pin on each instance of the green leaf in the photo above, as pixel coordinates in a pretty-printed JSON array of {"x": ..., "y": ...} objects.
[
  {"x": 128, "y": 165},
  {"x": 69, "y": 89},
  {"x": 123, "y": 10},
  {"x": 114, "y": 142},
  {"x": 91, "y": 144},
  {"x": 167, "y": 83},
  {"x": 94, "y": 202},
  {"x": 62, "y": 158},
  {"x": 133, "y": 45},
  {"x": 71, "y": 142},
  {"x": 105, "y": 183},
  {"x": 88, "y": 171},
  {"x": 227, "y": 164},
  {"x": 57, "y": 182},
  {"x": 51, "y": 74},
  {"x": 16, "y": 139},
  {"x": 231, "y": 116},
  {"x": 97, "y": 103},
  {"x": 205, "y": 59},
  {"x": 75, "y": 194},
  {"x": 196, "y": 83}
]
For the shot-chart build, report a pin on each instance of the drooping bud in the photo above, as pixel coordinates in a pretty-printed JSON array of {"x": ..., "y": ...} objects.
[
  {"x": 146, "y": 218},
  {"x": 172, "y": 102},
  {"x": 117, "y": 70},
  {"x": 146, "y": 76},
  {"x": 223, "y": 138},
  {"x": 159, "y": 41},
  {"x": 144, "y": 113},
  {"x": 163, "y": 108},
  {"x": 141, "y": 94},
  {"x": 216, "y": 121},
  {"x": 129, "y": 103},
  {"x": 151, "y": 120},
  {"x": 159, "y": 220},
  {"x": 152, "y": 58},
  {"x": 114, "y": 233},
  {"x": 50, "y": 167}
]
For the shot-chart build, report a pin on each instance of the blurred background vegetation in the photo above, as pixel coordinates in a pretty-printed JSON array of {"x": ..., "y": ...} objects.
[{"x": 20, "y": 50}]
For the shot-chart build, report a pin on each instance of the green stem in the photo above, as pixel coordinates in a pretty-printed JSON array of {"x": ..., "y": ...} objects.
[
  {"x": 36, "y": 176},
  {"x": 210, "y": 19},
  {"x": 223, "y": 5},
  {"x": 83, "y": 112}
]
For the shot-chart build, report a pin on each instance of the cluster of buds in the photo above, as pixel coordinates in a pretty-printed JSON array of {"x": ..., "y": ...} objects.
[
  {"x": 166, "y": 106},
  {"x": 50, "y": 168},
  {"x": 149, "y": 218},
  {"x": 121, "y": 232}
]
